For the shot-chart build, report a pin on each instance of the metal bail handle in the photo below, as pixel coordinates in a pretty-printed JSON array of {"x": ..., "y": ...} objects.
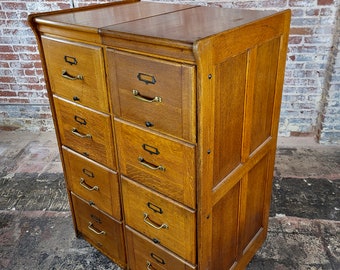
[
  {"x": 149, "y": 266},
  {"x": 93, "y": 229},
  {"x": 150, "y": 166},
  {"x": 138, "y": 96},
  {"x": 80, "y": 135},
  {"x": 86, "y": 186},
  {"x": 148, "y": 221},
  {"x": 65, "y": 75}
]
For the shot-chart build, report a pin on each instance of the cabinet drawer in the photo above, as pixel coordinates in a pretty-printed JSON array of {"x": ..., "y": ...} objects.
[
  {"x": 144, "y": 254},
  {"x": 86, "y": 131},
  {"x": 153, "y": 93},
  {"x": 165, "y": 221},
  {"x": 76, "y": 72},
  {"x": 100, "y": 230},
  {"x": 160, "y": 163},
  {"x": 93, "y": 182}
]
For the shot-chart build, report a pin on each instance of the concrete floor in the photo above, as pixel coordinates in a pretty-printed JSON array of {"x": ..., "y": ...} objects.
[{"x": 36, "y": 230}]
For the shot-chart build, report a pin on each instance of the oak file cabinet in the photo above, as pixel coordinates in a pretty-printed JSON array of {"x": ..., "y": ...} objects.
[{"x": 167, "y": 118}]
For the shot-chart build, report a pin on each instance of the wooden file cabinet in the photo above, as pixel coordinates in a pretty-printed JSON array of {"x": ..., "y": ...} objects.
[{"x": 167, "y": 118}]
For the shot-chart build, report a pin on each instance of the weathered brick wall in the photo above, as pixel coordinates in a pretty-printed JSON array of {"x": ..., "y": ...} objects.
[
  {"x": 328, "y": 124},
  {"x": 311, "y": 96}
]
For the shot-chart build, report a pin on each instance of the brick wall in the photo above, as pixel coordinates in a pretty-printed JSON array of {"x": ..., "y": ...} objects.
[
  {"x": 310, "y": 104},
  {"x": 328, "y": 124}
]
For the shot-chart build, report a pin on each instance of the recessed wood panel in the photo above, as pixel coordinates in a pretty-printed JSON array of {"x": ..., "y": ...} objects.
[
  {"x": 225, "y": 229},
  {"x": 229, "y": 109},
  {"x": 264, "y": 92},
  {"x": 254, "y": 197}
]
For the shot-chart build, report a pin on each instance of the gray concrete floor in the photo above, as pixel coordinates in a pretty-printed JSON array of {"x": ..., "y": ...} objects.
[{"x": 36, "y": 230}]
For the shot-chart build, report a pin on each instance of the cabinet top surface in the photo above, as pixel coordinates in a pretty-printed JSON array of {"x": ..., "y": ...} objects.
[
  {"x": 104, "y": 15},
  {"x": 183, "y": 23}
]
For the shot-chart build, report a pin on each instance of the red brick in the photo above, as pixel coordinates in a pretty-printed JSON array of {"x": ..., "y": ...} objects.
[
  {"x": 7, "y": 93},
  {"x": 19, "y": 100},
  {"x": 6, "y": 49},
  {"x": 295, "y": 39},
  {"x": 38, "y": 65},
  {"x": 29, "y": 56},
  {"x": 301, "y": 31},
  {"x": 63, "y": 5},
  {"x": 14, "y": 6},
  {"x": 325, "y": 2},
  {"x": 4, "y": 64},
  {"x": 23, "y": 15},
  {"x": 29, "y": 72},
  {"x": 7, "y": 79},
  {"x": 7, "y": 56},
  {"x": 25, "y": 48}
]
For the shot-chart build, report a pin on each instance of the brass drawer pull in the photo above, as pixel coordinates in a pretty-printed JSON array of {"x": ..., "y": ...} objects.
[
  {"x": 93, "y": 229},
  {"x": 137, "y": 95},
  {"x": 86, "y": 186},
  {"x": 65, "y": 75},
  {"x": 148, "y": 221},
  {"x": 77, "y": 133},
  {"x": 149, "y": 266},
  {"x": 149, "y": 165},
  {"x": 157, "y": 258}
]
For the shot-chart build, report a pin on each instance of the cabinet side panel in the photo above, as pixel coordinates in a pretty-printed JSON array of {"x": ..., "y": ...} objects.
[
  {"x": 225, "y": 235},
  {"x": 229, "y": 117},
  {"x": 254, "y": 198},
  {"x": 264, "y": 92}
]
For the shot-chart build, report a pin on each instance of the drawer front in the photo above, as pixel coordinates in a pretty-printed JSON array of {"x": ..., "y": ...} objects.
[
  {"x": 163, "y": 164},
  {"x": 100, "y": 230},
  {"x": 76, "y": 72},
  {"x": 165, "y": 221},
  {"x": 144, "y": 254},
  {"x": 86, "y": 131},
  {"x": 93, "y": 182},
  {"x": 154, "y": 93}
]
